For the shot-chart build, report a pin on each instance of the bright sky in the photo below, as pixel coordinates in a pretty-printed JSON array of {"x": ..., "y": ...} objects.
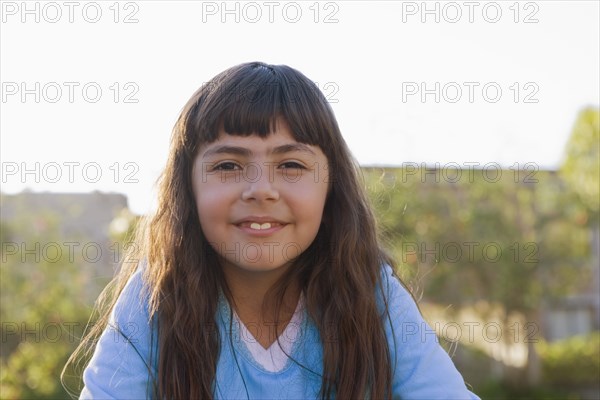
[{"x": 88, "y": 103}]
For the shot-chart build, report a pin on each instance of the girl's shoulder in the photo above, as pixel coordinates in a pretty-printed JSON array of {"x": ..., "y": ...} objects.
[
  {"x": 391, "y": 290},
  {"x": 132, "y": 305},
  {"x": 130, "y": 320},
  {"x": 121, "y": 364},
  {"x": 421, "y": 368}
]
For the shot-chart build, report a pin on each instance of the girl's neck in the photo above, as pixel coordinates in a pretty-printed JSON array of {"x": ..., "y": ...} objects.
[{"x": 249, "y": 289}]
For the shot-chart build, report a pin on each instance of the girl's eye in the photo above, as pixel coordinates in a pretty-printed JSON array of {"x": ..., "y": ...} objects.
[
  {"x": 226, "y": 166},
  {"x": 292, "y": 165}
]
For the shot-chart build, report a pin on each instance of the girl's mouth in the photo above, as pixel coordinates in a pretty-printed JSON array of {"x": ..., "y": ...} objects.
[
  {"x": 264, "y": 228},
  {"x": 259, "y": 225},
  {"x": 256, "y": 225}
]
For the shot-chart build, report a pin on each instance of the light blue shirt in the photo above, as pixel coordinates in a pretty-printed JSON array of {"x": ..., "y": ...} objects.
[{"x": 119, "y": 368}]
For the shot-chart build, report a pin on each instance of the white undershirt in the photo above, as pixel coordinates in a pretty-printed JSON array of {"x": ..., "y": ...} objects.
[{"x": 274, "y": 358}]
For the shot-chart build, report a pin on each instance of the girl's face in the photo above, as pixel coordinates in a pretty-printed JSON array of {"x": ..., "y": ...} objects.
[{"x": 260, "y": 200}]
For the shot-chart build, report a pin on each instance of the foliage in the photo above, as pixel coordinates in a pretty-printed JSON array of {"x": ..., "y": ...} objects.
[
  {"x": 497, "y": 390},
  {"x": 571, "y": 361},
  {"x": 581, "y": 168},
  {"x": 505, "y": 240},
  {"x": 31, "y": 371},
  {"x": 47, "y": 288}
]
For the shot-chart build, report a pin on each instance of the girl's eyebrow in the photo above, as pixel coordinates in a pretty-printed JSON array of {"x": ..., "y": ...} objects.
[
  {"x": 245, "y": 152},
  {"x": 291, "y": 147},
  {"x": 225, "y": 149}
]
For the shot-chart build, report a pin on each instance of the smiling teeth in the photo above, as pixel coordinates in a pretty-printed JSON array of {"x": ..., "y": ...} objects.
[{"x": 256, "y": 225}]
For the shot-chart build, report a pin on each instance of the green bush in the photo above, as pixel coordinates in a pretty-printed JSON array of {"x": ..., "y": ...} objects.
[
  {"x": 573, "y": 361},
  {"x": 498, "y": 390}
]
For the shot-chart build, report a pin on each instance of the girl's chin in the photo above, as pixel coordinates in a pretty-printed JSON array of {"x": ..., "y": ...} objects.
[
  {"x": 256, "y": 266},
  {"x": 262, "y": 267}
]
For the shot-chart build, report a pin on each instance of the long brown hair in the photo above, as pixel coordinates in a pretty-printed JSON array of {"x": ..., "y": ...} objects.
[{"x": 339, "y": 273}]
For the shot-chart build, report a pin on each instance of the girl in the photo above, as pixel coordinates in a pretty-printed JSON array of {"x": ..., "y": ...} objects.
[{"x": 262, "y": 275}]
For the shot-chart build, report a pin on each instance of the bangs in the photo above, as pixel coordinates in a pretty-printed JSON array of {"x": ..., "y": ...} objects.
[{"x": 248, "y": 99}]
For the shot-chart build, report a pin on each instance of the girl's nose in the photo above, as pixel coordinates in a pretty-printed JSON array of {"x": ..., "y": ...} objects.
[{"x": 259, "y": 185}]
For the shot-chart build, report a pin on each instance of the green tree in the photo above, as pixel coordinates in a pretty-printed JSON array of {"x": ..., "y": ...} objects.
[
  {"x": 581, "y": 166},
  {"x": 47, "y": 288}
]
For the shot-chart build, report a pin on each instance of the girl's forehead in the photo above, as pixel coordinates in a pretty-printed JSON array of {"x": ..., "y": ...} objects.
[{"x": 279, "y": 141}]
